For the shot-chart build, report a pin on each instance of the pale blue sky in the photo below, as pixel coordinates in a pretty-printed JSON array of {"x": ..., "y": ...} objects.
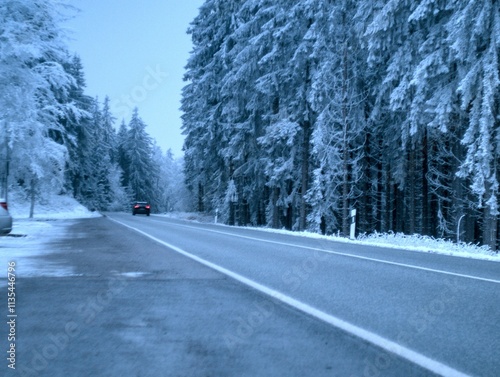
[{"x": 135, "y": 52}]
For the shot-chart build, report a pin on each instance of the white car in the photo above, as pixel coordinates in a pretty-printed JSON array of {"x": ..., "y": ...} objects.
[{"x": 5, "y": 218}]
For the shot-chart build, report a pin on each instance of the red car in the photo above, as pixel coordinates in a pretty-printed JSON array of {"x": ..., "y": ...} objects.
[{"x": 141, "y": 207}]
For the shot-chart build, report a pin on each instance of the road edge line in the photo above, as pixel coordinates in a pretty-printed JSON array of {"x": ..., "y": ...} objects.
[{"x": 347, "y": 255}]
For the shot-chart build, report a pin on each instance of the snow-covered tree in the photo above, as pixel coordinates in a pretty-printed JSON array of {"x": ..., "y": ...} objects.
[
  {"x": 76, "y": 133},
  {"x": 474, "y": 36},
  {"x": 338, "y": 97},
  {"x": 109, "y": 138},
  {"x": 121, "y": 152},
  {"x": 172, "y": 193},
  {"x": 296, "y": 111},
  {"x": 201, "y": 103},
  {"x": 242, "y": 117},
  {"x": 103, "y": 190},
  {"x": 34, "y": 87},
  {"x": 142, "y": 173}
]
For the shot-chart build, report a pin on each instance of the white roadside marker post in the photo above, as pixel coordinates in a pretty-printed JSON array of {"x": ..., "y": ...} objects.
[{"x": 353, "y": 224}]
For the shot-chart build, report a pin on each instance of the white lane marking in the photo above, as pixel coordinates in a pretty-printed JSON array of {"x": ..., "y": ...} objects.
[
  {"x": 368, "y": 336},
  {"x": 341, "y": 254}
]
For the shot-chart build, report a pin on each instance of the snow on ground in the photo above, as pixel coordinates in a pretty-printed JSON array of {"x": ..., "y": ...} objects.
[
  {"x": 55, "y": 207},
  {"x": 29, "y": 243},
  {"x": 190, "y": 216},
  {"x": 30, "y": 238},
  {"x": 406, "y": 242},
  {"x": 388, "y": 240}
]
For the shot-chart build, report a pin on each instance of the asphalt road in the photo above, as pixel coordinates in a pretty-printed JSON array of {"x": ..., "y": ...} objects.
[{"x": 151, "y": 296}]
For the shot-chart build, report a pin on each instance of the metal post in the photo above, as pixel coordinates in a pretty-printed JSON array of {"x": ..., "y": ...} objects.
[
  {"x": 4, "y": 190},
  {"x": 353, "y": 224},
  {"x": 458, "y": 228}
]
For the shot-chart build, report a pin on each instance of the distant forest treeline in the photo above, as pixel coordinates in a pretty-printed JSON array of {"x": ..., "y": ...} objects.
[
  {"x": 296, "y": 111},
  {"x": 56, "y": 139}
]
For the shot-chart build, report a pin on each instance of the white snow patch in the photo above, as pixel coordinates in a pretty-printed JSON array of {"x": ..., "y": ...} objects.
[
  {"x": 54, "y": 207},
  {"x": 30, "y": 238},
  {"x": 189, "y": 216},
  {"x": 133, "y": 274},
  {"x": 25, "y": 250}
]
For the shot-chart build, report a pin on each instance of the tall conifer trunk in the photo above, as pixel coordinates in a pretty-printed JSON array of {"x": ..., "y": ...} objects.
[
  {"x": 425, "y": 187},
  {"x": 201, "y": 207},
  {"x": 490, "y": 229},
  {"x": 307, "y": 125},
  {"x": 32, "y": 193},
  {"x": 490, "y": 222},
  {"x": 411, "y": 191},
  {"x": 305, "y": 175},
  {"x": 275, "y": 209},
  {"x": 345, "y": 144}
]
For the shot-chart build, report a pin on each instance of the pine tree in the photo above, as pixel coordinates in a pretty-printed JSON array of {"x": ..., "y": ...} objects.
[
  {"x": 285, "y": 83},
  {"x": 201, "y": 103},
  {"x": 139, "y": 150},
  {"x": 243, "y": 117},
  {"x": 122, "y": 154},
  {"x": 109, "y": 138},
  {"x": 338, "y": 99},
  {"x": 102, "y": 190},
  {"x": 77, "y": 134}
]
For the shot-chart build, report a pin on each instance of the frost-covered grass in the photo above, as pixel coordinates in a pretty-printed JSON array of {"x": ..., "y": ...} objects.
[
  {"x": 406, "y": 242},
  {"x": 388, "y": 240},
  {"x": 418, "y": 242}
]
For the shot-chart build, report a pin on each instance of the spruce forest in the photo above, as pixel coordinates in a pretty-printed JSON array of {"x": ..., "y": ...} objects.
[
  {"x": 297, "y": 111},
  {"x": 56, "y": 139}
]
